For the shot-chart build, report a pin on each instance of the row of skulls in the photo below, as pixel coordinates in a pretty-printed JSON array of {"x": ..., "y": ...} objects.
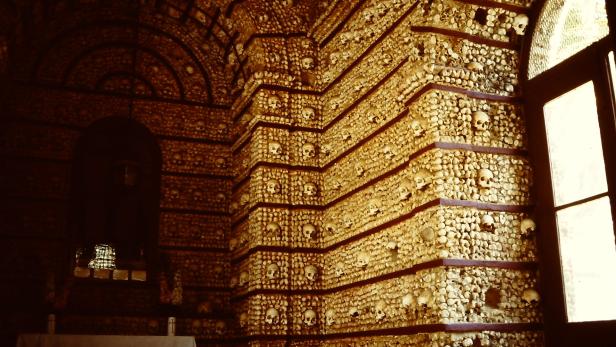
[
  {"x": 274, "y": 187},
  {"x": 480, "y": 122},
  {"x": 529, "y": 297},
  {"x": 308, "y": 113},
  {"x": 308, "y": 150},
  {"x": 311, "y": 272},
  {"x": 310, "y": 231}
]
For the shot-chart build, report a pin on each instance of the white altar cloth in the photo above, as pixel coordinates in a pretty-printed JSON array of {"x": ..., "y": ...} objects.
[{"x": 46, "y": 340}]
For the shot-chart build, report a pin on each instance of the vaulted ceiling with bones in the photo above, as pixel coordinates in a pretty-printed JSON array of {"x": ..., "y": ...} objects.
[{"x": 177, "y": 50}]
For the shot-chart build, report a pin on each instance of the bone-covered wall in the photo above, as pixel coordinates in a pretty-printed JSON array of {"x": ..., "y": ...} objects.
[
  {"x": 333, "y": 173},
  {"x": 383, "y": 189}
]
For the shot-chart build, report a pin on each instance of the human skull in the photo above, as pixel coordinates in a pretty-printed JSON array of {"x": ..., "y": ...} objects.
[
  {"x": 326, "y": 149},
  {"x": 387, "y": 59},
  {"x": 243, "y": 318},
  {"x": 310, "y": 189},
  {"x": 388, "y": 152},
  {"x": 308, "y": 113},
  {"x": 359, "y": 170},
  {"x": 354, "y": 312},
  {"x": 347, "y": 219},
  {"x": 407, "y": 301},
  {"x": 233, "y": 281},
  {"x": 374, "y": 207},
  {"x": 405, "y": 189},
  {"x": 198, "y": 161},
  {"x": 530, "y": 296},
  {"x": 311, "y": 272},
  {"x": 309, "y": 231},
  {"x": 244, "y": 278},
  {"x": 427, "y": 234},
  {"x": 334, "y": 104},
  {"x": 379, "y": 310},
  {"x": 177, "y": 158},
  {"x": 527, "y": 226},
  {"x": 423, "y": 179},
  {"x": 330, "y": 227},
  {"x": 220, "y": 162},
  {"x": 287, "y": 3},
  {"x": 272, "y": 228},
  {"x": 275, "y": 148},
  {"x": 330, "y": 317},
  {"x": 153, "y": 327},
  {"x": 481, "y": 121},
  {"x": 310, "y": 318},
  {"x": 346, "y": 136},
  {"x": 244, "y": 199},
  {"x": 381, "y": 9},
  {"x": 272, "y": 271},
  {"x": 346, "y": 37},
  {"x": 392, "y": 246},
  {"x": 308, "y": 150},
  {"x": 200, "y": 125},
  {"x": 487, "y": 223},
  {"x": 233, "y": 244},
  {"x": 362, "y": 260},
  {"x": 333, "y": 58},
  {"x": 424, "y": 298},
  {"x": 274, "y": 103},
  {"x": 339, "y": 269},
  {"x": 220, "y": 327},
  {"x": 417, "y": 128},
  {"x": 308, "y": 63},
  {"x": 174, "y": 194},
  {"x": 218, "y": 270},
  {"x": 485, "y": 179},
  {"x": 271, "y": 316},
  {"x": 273, "y": 187},
  {"x": 520, "y": 22},
  {"x": 198, "y": 195},
  {"x": 195, "y": 327},
  {"x": 368, "y": 15},
  {"x": 220, "y": 197}
]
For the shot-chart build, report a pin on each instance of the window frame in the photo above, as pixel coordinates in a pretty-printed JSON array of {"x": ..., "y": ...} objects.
[{"x": 590, "y": 64}]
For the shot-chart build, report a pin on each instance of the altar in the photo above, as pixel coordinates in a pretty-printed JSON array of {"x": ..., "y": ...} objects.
[{"x": 47, "y": 340}]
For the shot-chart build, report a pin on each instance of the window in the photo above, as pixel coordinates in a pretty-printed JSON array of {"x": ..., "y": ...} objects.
[
  {"x": 572, "y": 137},
  {"x": 115, "y": 193}
]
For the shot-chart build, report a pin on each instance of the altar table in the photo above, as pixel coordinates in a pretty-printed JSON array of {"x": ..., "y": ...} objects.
[{"x": 60, "y": 340}]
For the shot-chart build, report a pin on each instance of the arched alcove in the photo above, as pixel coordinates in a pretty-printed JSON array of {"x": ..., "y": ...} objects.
[{"x": 115, "y": 193}]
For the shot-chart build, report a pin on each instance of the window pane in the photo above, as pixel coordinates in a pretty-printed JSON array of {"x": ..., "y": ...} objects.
[
  {"x": 588, "y": 255},
  {"x": 564, "y": 28},
  {"x": 574, "y": 143}
]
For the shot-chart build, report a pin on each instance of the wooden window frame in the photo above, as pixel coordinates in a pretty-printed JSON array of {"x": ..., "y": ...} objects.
[{"x": 590, "y": 64}]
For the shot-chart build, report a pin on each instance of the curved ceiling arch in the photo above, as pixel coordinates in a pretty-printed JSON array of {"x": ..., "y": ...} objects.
[
  {"x": 83, "y": 55},
  {"x": 125, "y": 75},
  {"x": 139, "y": 28}
]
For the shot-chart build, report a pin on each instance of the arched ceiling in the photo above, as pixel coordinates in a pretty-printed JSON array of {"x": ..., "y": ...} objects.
[{"x": 170, "y": 49}]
